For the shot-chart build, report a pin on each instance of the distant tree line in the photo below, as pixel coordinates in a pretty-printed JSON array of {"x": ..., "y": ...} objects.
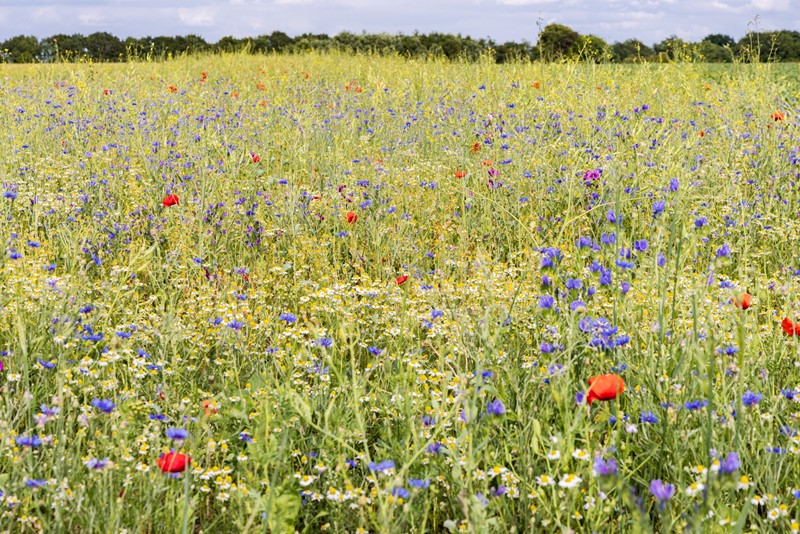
[{"x": 556, "y": 42}]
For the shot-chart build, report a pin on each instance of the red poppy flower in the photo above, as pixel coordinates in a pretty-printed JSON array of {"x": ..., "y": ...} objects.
[
  {"x": 743, "y": 302},
  {"x": 461, "y": 174},
  {"x": 536, "y": 85},
  {"x": 790, "y": 327},
  {"x": 350, "y": 217},
  {"x": 106, "y": 92},
  {"x": 777, "y": 116},
  {"x": 401, "y": 280},
  {"x": 173, "y": 462},
  {"x": 209, "y": 408},
  {"x": 604, "y": 387},
  {"x": 173, "y": 89},
  {"x": 475, "y": 147},
  {"x": 170, "y": 200},
  {"x": 255, "y": 157}
]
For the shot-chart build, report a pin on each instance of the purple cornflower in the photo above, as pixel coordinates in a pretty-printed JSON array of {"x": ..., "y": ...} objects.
[
  {"x": 495, "y": 407},
  {"x": 661, "y": 491},
  {"x": 604, "y": 468},
  {"x": 730, "y": 464}
]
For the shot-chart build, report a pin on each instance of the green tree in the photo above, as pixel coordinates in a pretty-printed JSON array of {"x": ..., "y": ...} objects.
[
  {"x": 102, "y": 46},
  {"x": 719, "y": 40},
  {"x": 557, "y": 41},
  {"x": 631, "y": 51},
  {"x": 21, "y": 49},
  {"x": 592, "y": 48}
]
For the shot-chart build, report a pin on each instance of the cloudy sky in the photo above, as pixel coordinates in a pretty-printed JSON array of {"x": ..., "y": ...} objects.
[{"x": 502, "y": 20}]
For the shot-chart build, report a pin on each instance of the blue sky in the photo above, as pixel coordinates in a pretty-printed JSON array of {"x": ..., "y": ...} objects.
[{"x": 502, "y": 20}]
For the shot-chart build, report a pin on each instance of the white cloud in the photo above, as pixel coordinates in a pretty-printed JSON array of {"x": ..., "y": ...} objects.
[
  {"x": 771, "y": 5},
  {"x": 198, "y": 17}
]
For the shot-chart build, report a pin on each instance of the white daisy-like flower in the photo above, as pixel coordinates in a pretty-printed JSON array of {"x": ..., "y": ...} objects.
[
  {"x": 744, "y": 483},
  {"x": 694, "y": 488},
  {"x": 554, "y": 454},
  {"x": 570, "y": 481},
  {"x": 774, "y": 514},
  {"x": 545, "y": 480},
  {"x": 580, "y": 454}
]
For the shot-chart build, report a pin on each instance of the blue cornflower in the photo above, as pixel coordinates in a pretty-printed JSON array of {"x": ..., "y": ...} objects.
[
  {"x": 29, "y": 441},
  {"x": 640, "y": 245},
  {"x": 419, "y": 483},
  {"x": 385, "y": 466},
  {"x": 374, "y": 350},
  {"x": 546, "y": 302},
  {"x": 97, "y": 463},
  {"x": 648, "y": 417},
  {"x": 45, "y": 364},
  {"x": 609, "y": 238},
  {"x": 245, "y": 437},
  {"x": 49, "y": 412},
  {"x": 695, "y": 405},
  {"x": 605, "y": 277},
  {"x": 400, "y": 492},
  {"x": 674, "y": 184},
  {"x": 724, "y": 251},
  {"x": 35, "y": 483},
  {"x": 700, "y": 222},
  {"x": 288, "y": 317},
  {"x": 104, "y": 405},
  {"x": 573, "y": 284},
  {"x": 751, "y": 399},
  {"x": 658, "y": 207},
  {"x": 584, "y": 241},
  {"x": 612, "y": 217},
  {"x": 435, "y": 314},
  {"x": 178, "y": 434},
  {"x": 434, "y": 448},
  {"x": 577, "y": 305},
  {"x": 235, "y": 325},
  {"x": 661, "y": 261},
  {"x": 324, "y": 342}
]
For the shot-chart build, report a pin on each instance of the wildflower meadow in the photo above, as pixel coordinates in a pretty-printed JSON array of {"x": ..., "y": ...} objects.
[{"x": 321, "y": 292}]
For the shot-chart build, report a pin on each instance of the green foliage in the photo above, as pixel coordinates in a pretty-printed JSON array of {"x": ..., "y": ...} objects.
[{"x": 556, "y": 43}]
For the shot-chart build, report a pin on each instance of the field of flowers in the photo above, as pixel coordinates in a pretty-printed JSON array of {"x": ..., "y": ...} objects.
[{"x": 260, "y": 294}]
